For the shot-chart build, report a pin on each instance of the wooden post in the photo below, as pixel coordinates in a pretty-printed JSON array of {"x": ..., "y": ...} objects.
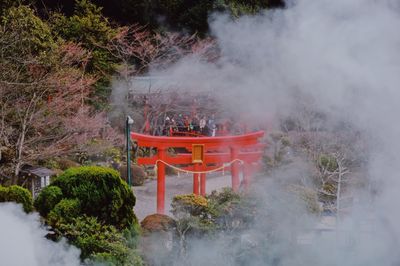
[
  {"x": 246, "y": 175},
  {"x": 203, "y": 183},
  {"x": 161, "y": 182},
  {"x": 196, "y": 179},
  {"x": 235, "y": 169}
]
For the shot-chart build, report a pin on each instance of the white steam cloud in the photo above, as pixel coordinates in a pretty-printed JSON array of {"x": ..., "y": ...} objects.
[
  {"x": 23, "y": 242},
  {"x": 344, "y": 55}
]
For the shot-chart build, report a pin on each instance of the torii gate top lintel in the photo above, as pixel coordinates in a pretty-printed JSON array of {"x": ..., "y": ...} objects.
[{"x": 209, "y": 142}]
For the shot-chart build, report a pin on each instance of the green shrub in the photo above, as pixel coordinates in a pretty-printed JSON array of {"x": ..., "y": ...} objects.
[
  {"x": 132, "y": 234},
  {"x": 328, "y": 162},
  {"x": 3, "y": 194},
  {"x": 107, "y": 259},
  {"x": 231, "y": 210},
  {"x": 17, "y": 194},
  {"x": 64, "y": 212},
  {"x": 189, "y": 204},
  {"x": 89, "y": 206},
  {"x": 308, "y": 196},
  {"x": 101, "y": 193},
  {"x": 47, "y": 199},
  {"x": 225, "y": 211},
  {"x": 33, "y": 34},
  {"x": 101, "y": 243},
  {"x": 21, "y": 195}
]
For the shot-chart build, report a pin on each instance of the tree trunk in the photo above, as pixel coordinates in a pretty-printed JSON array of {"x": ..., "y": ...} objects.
[{"x": 20, "y": 146}]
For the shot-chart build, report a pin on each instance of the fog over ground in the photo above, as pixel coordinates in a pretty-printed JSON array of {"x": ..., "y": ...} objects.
[
  {"x": 23, "y": 242},
  {"x": 343, "y": 57}
]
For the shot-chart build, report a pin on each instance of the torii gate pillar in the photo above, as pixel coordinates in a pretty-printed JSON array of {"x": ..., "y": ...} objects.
[
  {"x": 161, "y": 181},
  {"x": 235, "y": 170}
]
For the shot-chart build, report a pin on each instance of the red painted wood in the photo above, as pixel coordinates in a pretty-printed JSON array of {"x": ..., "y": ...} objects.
[
  {"x": 186, "y": 158},
  {"x": 203, "y": 184},
  {"x": 186, "y": 142},
  {"x": 235, "y": 170},
  {"x": 196, "y": 179},
  {"x": 161, "y": 182}
]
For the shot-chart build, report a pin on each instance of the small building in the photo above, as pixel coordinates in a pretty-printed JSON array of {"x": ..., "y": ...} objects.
[{"x": 35, "y": 178}]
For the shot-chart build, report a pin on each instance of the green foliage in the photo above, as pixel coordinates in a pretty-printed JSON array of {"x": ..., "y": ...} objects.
[
  {"x": 192, "y": 215},
  {"x": 190, "y": 15},
  {"x": 48, "y": 198},
  {"x": 189, "y": 204},
  {"x": 230, "y": 210},
  {"x": 328, "y": 162},
  {"x": 108, "y": 259},
  {"x": 3, "y": 194},
  {"x": 26, "y": 31},
  {"x": 225, "y": 211},
  {"x": 88, "y": 27},
  {"x": 100, "y": 191},
  {"x": 180, "y": 14},
  {"x": 132, "y": 234},
  {"x": 239, "y": 8},
  {"x": 98, "y": 242},
  {"x": 88, "y": 206},
  {"x": 308, "y": 196},
  {"x": 17, "y": 194},
  {"x": 113, "y": 154},
  {"x": 6, "y": 4},
  {"x": 64, "y": 212}
]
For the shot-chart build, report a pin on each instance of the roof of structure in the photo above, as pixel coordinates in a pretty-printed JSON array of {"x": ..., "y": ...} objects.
[{"x": 37, "y": 170}]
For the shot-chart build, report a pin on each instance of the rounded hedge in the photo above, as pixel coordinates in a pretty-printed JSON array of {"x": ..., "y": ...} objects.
[
  {"x": 64, "y": 212},
  {"x": 47, "y": 199},
  {"x": 100, "y": 191},
  {"x": 3, "y": 194},
  {"x": 17, "y": 194}
]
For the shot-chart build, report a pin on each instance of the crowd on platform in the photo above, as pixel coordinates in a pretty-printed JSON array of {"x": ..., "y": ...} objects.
[{"x": 199, "y": 125}]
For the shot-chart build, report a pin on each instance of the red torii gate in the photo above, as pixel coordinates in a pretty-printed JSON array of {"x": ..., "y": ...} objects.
[{"x": 207, "y": 154}]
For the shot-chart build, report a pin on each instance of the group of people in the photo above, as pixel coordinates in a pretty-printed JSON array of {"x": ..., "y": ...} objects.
[
  {"x": 181, "y": 124},
  {"x": 185, "y": 125}
]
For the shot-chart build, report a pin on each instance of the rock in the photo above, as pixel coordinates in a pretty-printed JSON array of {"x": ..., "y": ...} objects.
[
  {"x": 138, "y": 175},
  {"x": 157, "y": 223},
  {"x": 157, "y": 241}
]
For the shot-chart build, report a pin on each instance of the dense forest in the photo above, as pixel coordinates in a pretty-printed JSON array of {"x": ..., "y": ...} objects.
[{"x": 178, "y": 15}]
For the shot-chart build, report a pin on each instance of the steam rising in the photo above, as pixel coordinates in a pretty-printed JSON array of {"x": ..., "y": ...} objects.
[
  {"x": 343, "y": 56},
  {"x": 23, "y": 241}
]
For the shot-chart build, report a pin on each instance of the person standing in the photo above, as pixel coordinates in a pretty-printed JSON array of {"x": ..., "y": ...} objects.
[
  {"x": 202, "y": 125},
  {"x": 212, "y": 126}
]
